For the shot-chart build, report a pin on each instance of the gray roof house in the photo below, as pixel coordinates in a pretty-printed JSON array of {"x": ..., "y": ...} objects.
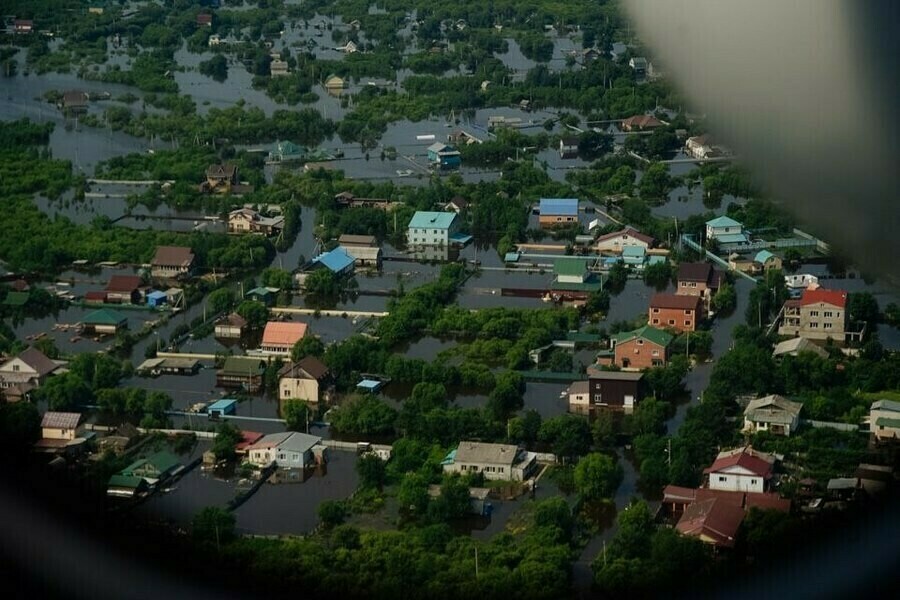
[
  {"x": 774, "y": 414},
  {"x": 288, "y": 450},
  {"x": 495, "y": 461}
]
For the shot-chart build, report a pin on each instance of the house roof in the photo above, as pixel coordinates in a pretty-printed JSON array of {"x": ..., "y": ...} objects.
[
  {"x": 104, "y": 316},
  {"x": 123, "y": 283},
  {"x": 567, "y": 207},
  {"x": 260, "y": 291},
  {"x": 833, "y": 297},
  {"x": 248, "y": 438},
  {"x": 308, "y": 367},
  {"x": 616, "y": 375},
  {"x": 675, "y": 301},
  {"x": 714, "y": 519},
  {"x": 75, "y": 98},
  {"x": 579, "y": 387},
  {"x": 570, "y": 266},
  {"x": 222, "y": 404},
  {"x": 723, "y": 221},
  {"x": 439, "y": 147},
  {"x": 432, "y": 220},
  {"x": 283, "y": 333},
  {"x": 732, "y": 238},
  {"x": 629, "y": 231},
  {"x": 459, "y": 202},
  {"x": 657, "y": 336},
  {"x": 347, "y": 239},
  {"x": 634, "y": 252},
  {"x": 292, "y": 441},
  {"x": 887, "y": 405},
  {"x": 336, "y": 260},
  {"x": 243, "y": 365},
  {"x": 763, "y": 256},
  {"x": 226, "y": 170},
  {"x": 797, "y": 345},
  {"x": 773, "y": 409},
  {"x": 163, "y": 461},
  {"x": 480, "y": 452},
  {"x": 642, "y": 121},
  {"x": 125, "y": 481},
  {"x": 60, "y": 420},
  {"x": 37, "y": 360},
  {"x": 234, "y": 320},
  {"x": 697, "y": 271},
  {"x": 173, "y": 256},
  {"x": 746, "y": 458}
]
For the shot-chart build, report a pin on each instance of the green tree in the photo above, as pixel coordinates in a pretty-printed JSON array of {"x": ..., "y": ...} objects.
[
  {"x": 863, "y": 308},
  {"x": 220, "y": 300},
  {"x": 525, "y": 428},
  {"x": 227, "y": 437},
  {"x": 20, "y": 425},
  {"x": 617, "y": 277},
  {"x": 216, "y": 67},
  {"x": 296, "y": 414},
  {"x": 308, "y": 345},
  {"x": 255, "y": 313},
  {"x": 568, "y": 435},
  {"x": 412, "y": 495},
  {"x": 658, "y": 275},
  {"x": 322, "y": 283},
  {"x": 331, "y": 513},
  {"x": 213, "y": 525},
  {"x": 277, "y": 278},
  {"x": 725, "y": 300},
  {"x": 506, "y": 396},
  {"x": 634, "y": 536},
  {"x": 656, "y": 182},
  {"x": 594, "y": 144},
  {"x": 371, "y": 471},
  {"x": 453, "y": 503},
  {"x": 597, "y": 476}
]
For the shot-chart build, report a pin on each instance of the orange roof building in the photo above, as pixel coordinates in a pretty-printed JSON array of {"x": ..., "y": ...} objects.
[{"x": 279, "y": 337}]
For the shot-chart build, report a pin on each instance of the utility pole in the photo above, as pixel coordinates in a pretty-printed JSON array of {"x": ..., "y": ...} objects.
[
  {"x": 669, "y": 451},
  {"x": 476, "y": 562}
]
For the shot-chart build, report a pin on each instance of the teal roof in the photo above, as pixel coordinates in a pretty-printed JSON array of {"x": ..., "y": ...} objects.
[
  {"x": 657, "y": 336},
  {"x": 104, "y": 316},
  {"x": 723, "y": 221},
  {"x": 450, "y": 458},
  {"x": 260, "y": 291},
  {"x": 886, "y": 422},
  {"x": 570, "y": 266},
  {"x": 511, "y": 257},
  {"x": 432, "y": 220},
  {"x": 164, "y": 461},
  {"x": 125, "y": 481},
  {"x": 732, "y": 238},
  {"x": 762, "y": 256},
  {"x": 634, "y": 251},
  {"x": 16, "y": 298}
]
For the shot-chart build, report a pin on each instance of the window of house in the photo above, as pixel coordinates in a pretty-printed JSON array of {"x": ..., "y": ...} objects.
[
  {"x": 814, "y": 325},
  {"x": 693, "y": 284},
  {"x": 655, "y": 311},
  {"x": 16, "y": 368},
  {"x": 827, "y": 325},
  {"x": 752, "y": 482},
  {"x": 671, "y": 321},
  {"x": 598, "y": 398},
  {"x": 687, "y": 323},
  {"x": 828, "y": 314},
  {"x": 688, "y": 312},
  {"x": 640, "y": 342},
  {"x": 502, "y": 469},
  {"x": 656, "y": 321},
  {"x": 814, "y": 313},
  {"x": 655, "y": 353},
  {"x": 722, "y": 478}
]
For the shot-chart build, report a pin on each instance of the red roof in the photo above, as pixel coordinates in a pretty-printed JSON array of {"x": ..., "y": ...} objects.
[
  {"x": 714, "y": 519},
  {"x": 743, "y": 459},
  {"x": 675, "y": 301},
  {"x": 123, "y": 283},
  {"x": 834, "y": 297},
  {"x": 768, "y": 502},
  {"x": 95, "y": 296},
  {"x": 283, "y": 333},
  {"x": 248, "y": 438},
  {"x": 642, "y": 121}
]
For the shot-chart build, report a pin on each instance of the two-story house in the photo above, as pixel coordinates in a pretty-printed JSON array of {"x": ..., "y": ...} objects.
[
  {"x": 24, "y": 372},
  {"x": 675, "y": 311},
  {"x": 308, "y": 380},
  {"x": 641, "y": 348},
  {"x": 496, "y": 461},
  {"x": 279, "y": 337},
  {"x": 698, "y": 279},
  {"x": 817, "y": 315},
  {"x": 725, "y": 231},
  {"x": 432, "y": 228},
  {"x": 606, "y": 389},
  {"x": 775, "y": 414},
  {"x": 884, "y": 420},
  {"x": 172, "y": 262},
  {"x": 247, "y": 220},
  {"x": 740, "y": 470},
  {"x": 220, "y": 178},
  {"x": 616, "y": 241}
]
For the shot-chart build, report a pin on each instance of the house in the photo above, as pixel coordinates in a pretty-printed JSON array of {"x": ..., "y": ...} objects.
[
  {"x": 460, "y": 136},
  {"x": 774, "y": 413},
  {"x": 335, "y": 84},
  {"x": 169, "y": 366},
  {"x": 124, "y": 289},
  {"x": 348, "y": 200},
  {"x": 479, "y": 505},
  {"x": 123, "y": 486},
  {"x": 796, "y": 346},
  {"x": 247, "y": 220},
  {"x": 570, "y": 270},
  {"x": 278, "y": 68},
  {"x": 702, "y": 147},
  {"x": 288, "y": 450},
  {"x": 568, "y": 147},
  {"x": 634, "y": 256},
  {"x": 496, "y": 461},
  {"x": 156, "y": 467},
  {"x": 288, "y": 152},
  {"x": 884, "y": 420},
  {"x": 676, "y": 499},
  {"x": 220, "y": 179},
  {"x": 338, "y": 261},
  {"x": 231, "y": 326},
  {"x": 432, "y": 228},
  {"x": 874, "y": 479},
  {"x": 279, "y": 337},
  {"x": 617, "y": 240},
  {"x": 308, "y": 380},
  {"x": 349, "y": 48},
  {"x": 357, "y": 241},
  {"x": 74, "y": 102},
  {"x": 263, "y": 295},
  {"x": 614, "y": 389},
  {"x": 589, "y": 55},
  {"x": 641, "y": 123},
  {"x": 24, "y": 372},
  {"x": 817, "y": 315},
  {"x": 60, "y": 425},
  {"x": 365, "y": 256},
  {"x": 444, "y": 156},
  {"x": 248, "y": 438},
  {"x": 638, "y": 64},
  {"x": 714, "y": 521},
  {"x": 725, "y": 231},
  {"x": 104, "y": 321},
  {"x": 172, "y": 262},
  {"x": 675, "y": 311},
  {"x": 638, "y": 349},
  {"x": 241, "y": 372},
  {"x": 156, "y": 299},
  {"x": 23, "y": 26},
  {"x": 558, "y": 211},
  {"x": 740, "y": 470},
  {"x": 204, "y": 20},
  {"x": 767, "y": 260},
  {"x": 215, "y": 40},
  {"x": 457, "y": 204},
  {"x": 579, "y": 398},
  {"x": 698, "y": 279}
]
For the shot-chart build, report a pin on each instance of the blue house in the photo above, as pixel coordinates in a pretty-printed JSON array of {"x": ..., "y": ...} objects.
[
  {"x": 444, "y": 156},
  {"x": 558, "y": 211},
  {"x": 338, "y": 261},
  {"x": 156, "y": 299},
  {"x": 726, "y": 231}
]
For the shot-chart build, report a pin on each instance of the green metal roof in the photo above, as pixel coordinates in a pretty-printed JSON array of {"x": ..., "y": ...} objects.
[
  {"x": 550, "y": 376},
  {"x": 570, "y": 266},
  {"x": 723, "y": 221},
  {"x": 16, "y": 298},
  {"x": 104, "y": 316},
  {"x": 242, "y": 365},
  {"x": 164, "y": 461},
  {"x": 125, "y": 481},
  {"x": 886, "y": 422},
  {"x": 432, "y": 220},
  {"x": 657, "y": 336},
  {"x": 587, "y": 286}
]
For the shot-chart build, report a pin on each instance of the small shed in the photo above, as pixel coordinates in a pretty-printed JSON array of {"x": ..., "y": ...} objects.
[
  {"x": 105, "y": 321},
  {"x": 225, "y": 406},
  {"x": 156, "y": 298},
  {"x": 372, "y": 386},
  {"x": 262, "y": 294}
]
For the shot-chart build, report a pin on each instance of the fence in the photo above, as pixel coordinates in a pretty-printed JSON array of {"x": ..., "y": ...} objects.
[{"x": 831, "y": 425}]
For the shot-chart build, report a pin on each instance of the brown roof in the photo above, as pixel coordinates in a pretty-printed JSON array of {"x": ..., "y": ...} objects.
[
  {"x": 173, "y": 256},
  {"x": 459, "y": 202},
  {"x": 629, "y": 231},
  {"x": 675, "y": 301},
  {"x": 744, "y": 458},
  {"x": 20, "y": 285},
  {"x": 579, "y": 387},
  {"x": 368, "y": 241},
  {"x": 234, "y": 320},
  {"x": 227, "y": 170},
  {"x": 60, "y": 420},
  {"x": 699, "y": 271},
  {"x": 75, "y": 98},
  {"x": 642, "y": 121},
  {"x": 309, "y": 366},
  {"x": 123, "y": 283},
  {"x": 767, "y": 502},
  {"x": 283, "y": 333},
  {"x": 95, "y": 296},
  {"x": 37, "y": 360},
  {"x": 714, "y": 519},
  {"x": 678, "y": 494}
]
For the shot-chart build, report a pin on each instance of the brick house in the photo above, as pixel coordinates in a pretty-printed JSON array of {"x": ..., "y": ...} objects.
[
  {"x": 675, "y": 311},
  {"x": 639, "y": 349},
  {"x": 817, "y": 315}
]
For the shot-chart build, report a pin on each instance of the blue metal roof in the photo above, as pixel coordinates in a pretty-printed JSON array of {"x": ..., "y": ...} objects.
[
  {"x": 370, "y": 385},
  {"x": 723, "y": 221},
  {"x": 336, "y": 260},
  {"x": 156, "y": 295},
  {"x": 634, "y": 251},
  {"x": 460, "y": 238},
  {"x": 732, "y": 238},
  {"x": 763, "y": 255},
  {"x": 432, "y": 220},
  {"x": 567, "y": 207},
  {"x": 223, "y": 405},
  {"x": 511, "y": 257}
]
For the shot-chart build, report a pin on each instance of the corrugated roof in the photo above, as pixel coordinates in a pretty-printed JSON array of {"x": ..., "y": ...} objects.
[
  {"x": 60, "y": 420},
  {"x": 283, "y": 333},
  {"x": 177, "y": 256},
  {"x": 37, "y": 360},
  {"x": 698, "y": 271},
  {"x": 570, "y": 266},
  {"x": 432, "y": 220},
  {"x": 834, "y": 297},
  {"x": 347, "y": 239},
  {"x": 797, "y": 345},
  {"x": 336, "y": 260},
  {"x": 243, "y": 365},
  {"x": 564, "y": 207},
  {"x": 480, "y": 452},
  {"x": 308, "y": 367},
  {"x": 657, "y": 336},
  {"x": 617, "y": 375},
  {"x": 104, "y": 316},
  {"x": 123, "y": 283},
  {"x": 291, "y": 441},
  {"x": 732, "y": 238},
  {"x": 723, "y": 221},
  {"x": 772, "y": 409},
  {"x": 579, "y": 387},
  {"x": 888, "y": 405},
  {"x": 744, "y": 458},
  {"x": 675, "y": 301},
  {"x": 713, "y": 519},
  {"x": 630, "y": 232}
]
